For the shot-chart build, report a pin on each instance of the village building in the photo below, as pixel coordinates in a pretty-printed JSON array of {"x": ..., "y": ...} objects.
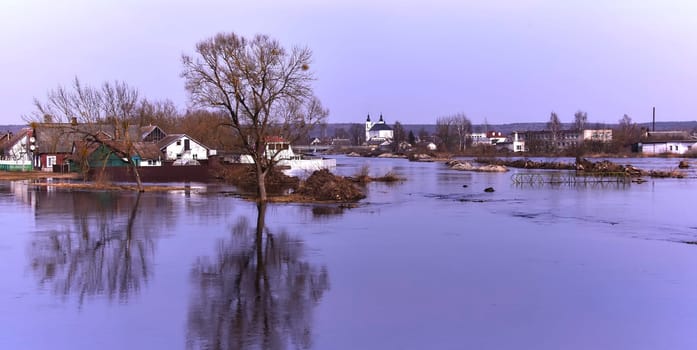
[
  {"x": 666, "y": 147},
  {"x": 16, "y": 150},
  {"x": 479, "y": 138},
  {"x": 666, "y": 142},
  {"x": 109, "y": 153},
  {"x": 524, "y": 141},
  {"x": 182, "y": 149},
  {"x": 487, "y": 138},
  {"x": 379, "y": 133}
]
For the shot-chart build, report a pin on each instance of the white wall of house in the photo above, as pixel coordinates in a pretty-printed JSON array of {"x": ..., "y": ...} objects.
[
  {"x": 18, "y": 151},
  {"x": 675, "y": 147},
  {"x": 518, "y": 144},
  {"x": 150, "y": 162},
  {"x": 176, "y": 150},
  {"x": 604, "y": 135},
  {"x": 279, "y": 150},
  {"x": 380, "y": 134},
  {"x": 479, "y": 137}
]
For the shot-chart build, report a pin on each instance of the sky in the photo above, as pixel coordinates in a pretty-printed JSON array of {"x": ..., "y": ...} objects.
[{"x": 499, "y": 61}]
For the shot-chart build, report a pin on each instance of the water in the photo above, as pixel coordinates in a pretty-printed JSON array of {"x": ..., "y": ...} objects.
[{"x": 425, "y": 263}]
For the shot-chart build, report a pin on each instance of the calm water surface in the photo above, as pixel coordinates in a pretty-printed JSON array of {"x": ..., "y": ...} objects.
[{"x": 422, "y": 264}]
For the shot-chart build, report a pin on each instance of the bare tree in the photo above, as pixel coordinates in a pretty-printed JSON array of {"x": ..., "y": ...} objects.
[
  {"x": 463, "y": 129},
  {"x": 626, "y": 134},
  {"x": 161, "y": 113},
  {"x": 357, "y": 133},
  {"x": 423, "y": 134},
  {"x": 453, "y": 131},
  {"x": 208, "y": 127},
  {"x": 398, "y": 136},
  {"x": 446, "y": 133},
  {"x": 264, "y": 89},
  {"x": 90, "y": 112},
  {"x": 580, "y": 120},
  {"x": 554, "y": 127},
  {"x": 341, "y": 133}
]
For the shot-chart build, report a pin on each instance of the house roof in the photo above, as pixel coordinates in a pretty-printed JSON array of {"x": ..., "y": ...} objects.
[
  {"x": 171, "y": 138},
  {"x": 14, "y": 138},
  {"x": 59, "y": 137},
  {"x": 655, "y": 142},
  {"x": 273, "y": 138},
  {"x": 380, "y": 126},
  {"x": 144, "y": 150},
  {"x": 145, "y": 131},
  {"x": 377, "y": 141},
  {"x": 147, "y": 150}
]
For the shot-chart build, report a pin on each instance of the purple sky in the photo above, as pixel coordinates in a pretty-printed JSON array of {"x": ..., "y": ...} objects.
[{"x": 503, "y": 60}]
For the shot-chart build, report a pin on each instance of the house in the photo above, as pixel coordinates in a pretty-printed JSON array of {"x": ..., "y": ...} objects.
[
  {"x": 600, "y": 135},
  {"x": 53, "y": 143},
  {"x": 495, "y": 137},
  {"x": 109, "y": 153},
  {"x": 315, "y": 141},
  {"x": 666, "y": 146},
  {"x": 426, "y": 145},
  {"x": 546, "y": 140},
  {"x": 16, "y": 151},
  {"x": 379, "y": 131},
  {"x": 152, "y": 133},
  {"x": 182, "y": 149},
  {"x": 479, "y": 138},
  {"x": 517, "y": 143}
]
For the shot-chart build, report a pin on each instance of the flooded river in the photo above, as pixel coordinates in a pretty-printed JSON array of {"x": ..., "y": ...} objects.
[{"x": 432, "y": 262}]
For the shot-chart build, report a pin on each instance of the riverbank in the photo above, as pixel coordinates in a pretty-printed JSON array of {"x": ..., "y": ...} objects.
[{"x": 33, "y": 175}]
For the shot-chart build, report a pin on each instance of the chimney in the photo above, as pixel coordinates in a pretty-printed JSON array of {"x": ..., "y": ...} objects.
[
  {"x": 73, "y": 121},
  {"x": 654, "y": 119}
]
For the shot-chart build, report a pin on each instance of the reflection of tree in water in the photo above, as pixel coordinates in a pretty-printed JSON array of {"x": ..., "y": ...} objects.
[
  {"x": 102, "y": 252},
  {"x": 257, "y": 293}
]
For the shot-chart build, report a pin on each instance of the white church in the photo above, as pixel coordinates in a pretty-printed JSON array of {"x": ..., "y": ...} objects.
[{"x": 378, "y": 133}]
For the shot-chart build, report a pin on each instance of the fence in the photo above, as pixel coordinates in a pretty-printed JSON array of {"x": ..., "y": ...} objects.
[
  {"x": 570, "y": 178},
  {"x": 16, "y": 165},
  {"x": 168, "y": 173}
]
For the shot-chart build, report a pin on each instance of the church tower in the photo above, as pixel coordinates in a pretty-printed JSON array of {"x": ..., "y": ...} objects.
[{"x": 368, "y": 126}]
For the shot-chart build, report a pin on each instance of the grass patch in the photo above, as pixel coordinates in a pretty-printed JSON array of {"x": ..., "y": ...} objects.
[{"x": 108, "y": 187}]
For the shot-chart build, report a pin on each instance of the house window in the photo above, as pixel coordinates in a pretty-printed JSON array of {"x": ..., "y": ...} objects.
[
  {"x": 179, "y": 142},
  {"x": 195, "y": 156}
]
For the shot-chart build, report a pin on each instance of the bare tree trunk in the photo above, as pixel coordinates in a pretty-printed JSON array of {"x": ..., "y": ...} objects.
[
  {"x": 261, "y": 183},
  {"x": 106, "y": 158},
  {"x": 137, "y": 175},
  {"x": 261, "y": 214}
]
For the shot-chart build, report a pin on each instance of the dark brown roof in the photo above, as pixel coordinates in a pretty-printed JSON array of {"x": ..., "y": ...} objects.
[
  {"x": 59, "y": 137},
  {"x": 145, "y": 150}
]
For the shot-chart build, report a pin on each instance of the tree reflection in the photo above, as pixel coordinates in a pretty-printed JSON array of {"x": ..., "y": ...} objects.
[
  {"x": 101, "y": 252},
  {"x": 257, "y": 293}
]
